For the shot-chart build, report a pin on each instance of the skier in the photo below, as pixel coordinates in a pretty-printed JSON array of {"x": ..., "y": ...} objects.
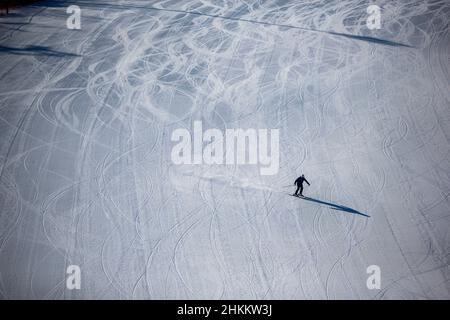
[{"x": 299, "y": 184}]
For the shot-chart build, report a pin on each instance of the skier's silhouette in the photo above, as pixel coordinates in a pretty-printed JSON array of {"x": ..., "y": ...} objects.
[{"x": 299, "y": 184}]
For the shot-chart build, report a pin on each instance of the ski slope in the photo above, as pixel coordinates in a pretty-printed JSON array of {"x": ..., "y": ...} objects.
[{"x": 86, "y": 176}]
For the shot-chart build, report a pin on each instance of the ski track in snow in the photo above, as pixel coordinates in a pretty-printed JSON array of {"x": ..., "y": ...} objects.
[{"x": 86, "y": 176}]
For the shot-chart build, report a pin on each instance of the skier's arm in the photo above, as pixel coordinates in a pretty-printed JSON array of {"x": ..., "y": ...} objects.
[{"x": 307, "y": 182}]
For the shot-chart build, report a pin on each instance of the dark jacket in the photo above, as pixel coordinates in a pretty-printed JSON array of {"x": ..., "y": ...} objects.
[{"x": 300, "y": 180}]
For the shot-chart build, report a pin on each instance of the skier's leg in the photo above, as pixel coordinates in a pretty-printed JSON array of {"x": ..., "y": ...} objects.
[
  {"x": 301, "y": 190},
  {"x": 296, "y": 191}
]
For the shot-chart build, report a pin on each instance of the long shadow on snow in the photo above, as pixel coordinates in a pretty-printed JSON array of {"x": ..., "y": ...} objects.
[
  {"x": 36, "y": 50},
  {"x": 63, "y": 3},
  {"x": 335, "y": 206}
]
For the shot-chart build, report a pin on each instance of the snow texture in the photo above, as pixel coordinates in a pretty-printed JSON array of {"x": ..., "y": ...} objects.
[{"x": 86, "y": 176}]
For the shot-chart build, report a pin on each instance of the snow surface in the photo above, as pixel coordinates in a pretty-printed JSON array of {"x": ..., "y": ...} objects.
[{"x": 86, "y": 176}]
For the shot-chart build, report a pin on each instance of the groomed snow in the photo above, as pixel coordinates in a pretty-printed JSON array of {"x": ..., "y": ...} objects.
[{"x": 86, "y": 176}]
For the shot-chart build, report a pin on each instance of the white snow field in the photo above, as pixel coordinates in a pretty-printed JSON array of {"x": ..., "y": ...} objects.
[{"x": 86, "y": 176}]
